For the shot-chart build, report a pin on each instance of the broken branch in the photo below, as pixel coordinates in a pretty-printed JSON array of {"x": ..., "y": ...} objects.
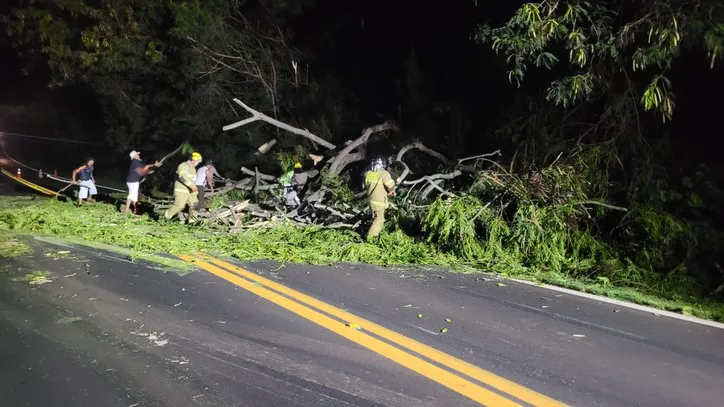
[
  {"x": 256, "y": 115},
  {"x": 344, "y": 158}
]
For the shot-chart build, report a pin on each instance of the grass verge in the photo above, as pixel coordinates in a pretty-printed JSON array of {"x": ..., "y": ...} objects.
[{"x": 144, "y": 238}]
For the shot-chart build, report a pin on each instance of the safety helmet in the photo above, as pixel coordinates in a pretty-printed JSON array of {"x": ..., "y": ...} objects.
[
  {"x": 297, "y": 165},
  {"x": 196, "y": 156},
  {"x": 378, "y": 162}
]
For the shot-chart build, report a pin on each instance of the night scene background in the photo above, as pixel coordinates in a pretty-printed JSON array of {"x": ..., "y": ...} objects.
[{"x": 606, "y": 115}]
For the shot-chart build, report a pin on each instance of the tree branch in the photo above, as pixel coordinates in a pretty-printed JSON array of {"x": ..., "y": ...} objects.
[
  {"x": 424, "y": 149},
  {"x": 343, "y": 158},
  {"x": 430, "y": 178},
  {"x": 605, "y": 205},
  {"x": 265, "y": 177},
  {"x": 256, "y": 116}
]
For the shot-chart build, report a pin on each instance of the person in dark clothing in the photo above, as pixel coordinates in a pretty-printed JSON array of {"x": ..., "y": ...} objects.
[
  {"x": 133, "y": 180},
  {"x": 87, "y": 183}
]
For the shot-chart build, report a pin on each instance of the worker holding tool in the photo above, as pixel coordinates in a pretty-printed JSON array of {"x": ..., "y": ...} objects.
[
  {"x": 185, "y": 191},
  {"x": 133, "y": 180},
  {"x": 85, "y": 180},
  {"x": 379, "y": 185},
  {"x": 204, "y": 182}
]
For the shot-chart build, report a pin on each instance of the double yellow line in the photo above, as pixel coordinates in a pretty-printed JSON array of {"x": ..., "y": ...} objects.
[
  {"x": 322, "y": 314},
  {"x": 29, "y": 184}
]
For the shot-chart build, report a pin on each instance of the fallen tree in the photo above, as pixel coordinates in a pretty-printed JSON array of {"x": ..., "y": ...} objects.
[{"x": 321, "y": 204}]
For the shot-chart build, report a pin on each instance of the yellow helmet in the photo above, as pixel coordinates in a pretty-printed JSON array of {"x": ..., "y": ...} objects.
[
  {"x": 298, "y": 165},
  {"x": 196, "y": 156}
]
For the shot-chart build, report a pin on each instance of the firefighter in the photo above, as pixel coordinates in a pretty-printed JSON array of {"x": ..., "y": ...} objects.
[
  {"x": 379, "y": 185},
  {"x": 185, "y": 191}
]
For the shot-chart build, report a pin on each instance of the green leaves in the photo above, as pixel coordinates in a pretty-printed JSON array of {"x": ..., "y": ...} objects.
[
  {"x": 596, "y": 42},
  {"x": 657, "y": 96}
]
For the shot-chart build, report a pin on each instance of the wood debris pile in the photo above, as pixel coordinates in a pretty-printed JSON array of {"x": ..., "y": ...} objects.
[{"x": 317, "y": 200}]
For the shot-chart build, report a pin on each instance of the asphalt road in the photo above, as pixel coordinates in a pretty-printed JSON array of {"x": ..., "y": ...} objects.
[{"x": 100, "y": 330}]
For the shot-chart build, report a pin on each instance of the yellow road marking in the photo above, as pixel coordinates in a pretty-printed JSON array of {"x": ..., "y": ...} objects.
[
  {"x": 470, "y": 370},
  {"x": 426, "y": 369}
]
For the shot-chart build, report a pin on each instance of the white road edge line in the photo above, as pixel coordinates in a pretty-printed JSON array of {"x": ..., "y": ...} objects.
[{"x": 620, "y": 303}]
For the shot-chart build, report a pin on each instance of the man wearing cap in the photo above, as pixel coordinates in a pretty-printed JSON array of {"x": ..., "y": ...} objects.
[
  {"x": 185, "y": 191},
  {"x": 135, "y": 173},
  {"x": 204, "y": 182}
]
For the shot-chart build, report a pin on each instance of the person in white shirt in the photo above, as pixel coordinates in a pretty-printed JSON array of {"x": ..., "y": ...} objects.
[{"x": 205, "y": 182}]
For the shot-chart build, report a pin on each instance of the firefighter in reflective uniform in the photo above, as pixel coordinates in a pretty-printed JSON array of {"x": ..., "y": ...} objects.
[
  {"x": 379, "y": 185},
  {"x": 184, "y": 189}
]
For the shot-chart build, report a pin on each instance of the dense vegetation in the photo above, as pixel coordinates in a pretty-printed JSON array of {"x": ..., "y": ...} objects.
[{"x": 587, "y": 189}]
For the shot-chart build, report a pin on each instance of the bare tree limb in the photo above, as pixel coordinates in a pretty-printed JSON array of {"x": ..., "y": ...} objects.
[
  {"x": 605, "y": 205},
  {"x": 430, "y": 178},
  {"x": 256, "y": 116},
  {"x": 424, "y": 149},
  {"x": 477, "y": 157},
  {"x": 265, "y": 177},
  {"x": 343, "y": 158},
  {"x": 433, "y": 186}
]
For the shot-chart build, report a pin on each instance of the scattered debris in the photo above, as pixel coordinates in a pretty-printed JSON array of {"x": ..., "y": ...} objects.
[
  {"x": 176, "y": 305},
  {"x": 35, "y": 278},
  {"x": 154, "y": 338},
  {"x": 183, "y": 360},
  {"x": 69, "y": 275},
  {"x": 407, "y": 306},
  {"x": 501, "y": 285},
  {"x": 40, "y": 281},
  {"x": 419, "y": 315},
  {"x": 655, "y": 314},
  {"x": 67, "y": 320},
  {"x": 448, "y": 320},
  {"x": 353, "y": 326},
  {"x": 579, "y": 336},
  {"x": 545, "y": 306},
  {"x": 443, "y": 330}
]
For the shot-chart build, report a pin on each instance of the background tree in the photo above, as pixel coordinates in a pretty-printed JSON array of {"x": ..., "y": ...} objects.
[{"x": 166, "y": 71}]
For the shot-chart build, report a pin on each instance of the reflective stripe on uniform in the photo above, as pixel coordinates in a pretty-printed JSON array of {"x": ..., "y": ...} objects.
[
  {"x": 187, "y": 171},
  {"x": 380, "y": 204}
]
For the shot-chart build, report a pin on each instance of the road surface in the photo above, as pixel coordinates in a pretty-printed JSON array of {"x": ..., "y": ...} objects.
[{"x": 80, "y": 327}]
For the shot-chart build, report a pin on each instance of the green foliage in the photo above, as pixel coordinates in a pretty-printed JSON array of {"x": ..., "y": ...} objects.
[
  {"x": 599, "y": 47},
  {"x": 287, "y": 159},
  {"x": 284, "y": 243},
  {"x": 451, "y": 224},
  {"x": 535, "y": 242},
  {"x": 11, "y": 247},
  {"x": 340, "y": 190}
]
